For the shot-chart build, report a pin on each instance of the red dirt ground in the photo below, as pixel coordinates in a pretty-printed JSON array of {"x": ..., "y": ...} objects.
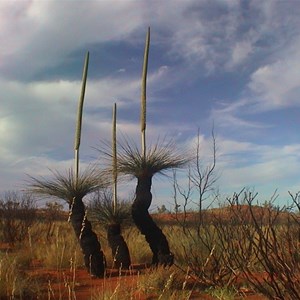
[{"x": 57, "y": 285}]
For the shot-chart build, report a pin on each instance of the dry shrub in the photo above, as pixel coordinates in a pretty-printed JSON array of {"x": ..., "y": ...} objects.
[
  {"x": 17, "y": 214},
  {"x": 199, "y": 243},
  {"x": 257, "y": 243},
  {"x": 273, "y": 235},
  {"x": 207, "y": 253}
]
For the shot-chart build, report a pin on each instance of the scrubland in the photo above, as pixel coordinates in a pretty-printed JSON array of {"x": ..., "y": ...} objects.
[{"x": 236, "y": 251}]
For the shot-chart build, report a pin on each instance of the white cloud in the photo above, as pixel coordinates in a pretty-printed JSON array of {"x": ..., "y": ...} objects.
[
  {"x": 230, "y": 34},
  {"x": 277, "y": 85},
  {"x": 233, "y": 114},
  {"x": 263, "y": 167},
  {"x": 272, "y": 86},
  {"x": 41, "y": 34},
  {"x": 240, "y": 52},
  {"x": 247, "y": 164},
  {"x": 209, "y": 33}
]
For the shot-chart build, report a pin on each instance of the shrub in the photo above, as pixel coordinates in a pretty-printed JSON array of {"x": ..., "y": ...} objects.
[
  {"x": 274, "y": 238},
  {"x": 17, "y": 214}
]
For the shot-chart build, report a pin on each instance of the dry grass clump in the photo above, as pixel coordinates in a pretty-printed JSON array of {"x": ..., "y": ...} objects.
[
  {"x": 14, "y": 283},
  {"x": 168, "y": 283},
  {"x": 107, "y": 292},
  {"x": 224, "y": 293},
  {"x": 58, "y": 251},
  {"x": 158, "y": 283}
]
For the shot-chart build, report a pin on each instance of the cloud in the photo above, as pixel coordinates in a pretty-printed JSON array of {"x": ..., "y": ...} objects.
[
  {"x": 240, "y": 52},
  {"x": 277, "y": 85},
  {"x": 272, "y": 86},
  {"x": 226, "y": 35},
  {"x": 211, "y": 35},
  {"x": 234, "y": 115},
  {"x": 40, "y": 35},
  {"x": 34, "y": 119},
  {"x": 263, "y": 167},
  {"x": 249, "y": 165},
  {"x": 48, "y": 31}
]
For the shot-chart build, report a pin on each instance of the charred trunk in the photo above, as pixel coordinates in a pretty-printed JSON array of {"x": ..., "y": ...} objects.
[
  {"x": 119, "y": 248},
  {"x": 93, "y": 256},
  {"x": 142, "y": 219}
]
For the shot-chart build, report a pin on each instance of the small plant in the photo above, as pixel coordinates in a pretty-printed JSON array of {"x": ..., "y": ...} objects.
[
  {"x": 165, "y": 283},
  {"x": 72, "y": 190},
  {"x": 224, "y": 293},
  {"x": 111, "y": 212},
  {"x": 102, "y": 210},
  {"x": 112, "y": 217},
  {"x": 204, "y": 243}
]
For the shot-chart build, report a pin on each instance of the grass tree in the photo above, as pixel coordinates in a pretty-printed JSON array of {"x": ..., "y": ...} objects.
[
  {"x": 73, "y": 187},
  {"x": 102, "y": 211},
  {"x": 143, "y": 165},
  {"x": 112, "y": 213}
]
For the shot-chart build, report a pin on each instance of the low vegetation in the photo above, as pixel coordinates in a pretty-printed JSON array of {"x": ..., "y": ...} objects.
[{"x": 239, "y": 249}]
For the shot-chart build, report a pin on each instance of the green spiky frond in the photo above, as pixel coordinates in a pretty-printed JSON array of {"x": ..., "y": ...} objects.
[
  {"x": 159, "y": 158},
  {"x": 66, "y": 187},
  {"x": 102, "y": 209}
]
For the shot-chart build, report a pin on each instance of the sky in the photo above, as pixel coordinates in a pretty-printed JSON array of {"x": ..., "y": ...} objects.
[{"x": 224, "y": 65}]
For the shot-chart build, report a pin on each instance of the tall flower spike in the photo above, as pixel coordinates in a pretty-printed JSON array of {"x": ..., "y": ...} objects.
[
  {"x": 114, "y": 157},
  {"x": 79, "y": 115},
  {"x": 143, "y": 94}
]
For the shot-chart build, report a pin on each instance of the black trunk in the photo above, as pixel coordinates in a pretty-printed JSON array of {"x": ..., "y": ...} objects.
[
  {"x": 93, "y": 256},
  {"x": 142, "y": 219},
  {"x": 120, "y": 251}
]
